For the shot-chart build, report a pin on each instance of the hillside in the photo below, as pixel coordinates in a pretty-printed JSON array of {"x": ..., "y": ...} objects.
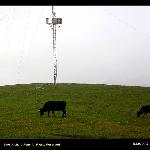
[{"x": 93, "y": 111}]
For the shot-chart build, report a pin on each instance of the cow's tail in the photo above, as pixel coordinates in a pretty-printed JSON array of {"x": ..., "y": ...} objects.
[
  {"x": 64, "y": 110},
  {"x": 64, "y": 103}
]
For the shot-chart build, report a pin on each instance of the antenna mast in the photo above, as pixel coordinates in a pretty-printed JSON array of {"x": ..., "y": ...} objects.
[{"x": 53, "y": 24}]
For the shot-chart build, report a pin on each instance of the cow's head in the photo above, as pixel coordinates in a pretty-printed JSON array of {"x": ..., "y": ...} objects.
[
  {"x": 41, "y": 112},
  {"x": 138, "y": 114}
]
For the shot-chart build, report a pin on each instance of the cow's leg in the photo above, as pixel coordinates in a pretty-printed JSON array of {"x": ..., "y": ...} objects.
[
  {"x": 146, "y": 114},
  {"x": 64, "y": 114},
  {"x": 48, "y": 113},
  {"x": 143, "y": 115},
  {"x": 53, "y": 112}
]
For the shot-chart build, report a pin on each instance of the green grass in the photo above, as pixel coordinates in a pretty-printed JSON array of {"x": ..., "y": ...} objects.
[{"x": 93, "y": 111}]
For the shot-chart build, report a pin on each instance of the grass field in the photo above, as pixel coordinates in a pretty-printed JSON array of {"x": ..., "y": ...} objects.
[{"x": 93, "y": 111}]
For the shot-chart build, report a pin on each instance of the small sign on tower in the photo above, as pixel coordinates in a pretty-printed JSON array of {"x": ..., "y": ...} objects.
[{"x": 56, "y": 20}]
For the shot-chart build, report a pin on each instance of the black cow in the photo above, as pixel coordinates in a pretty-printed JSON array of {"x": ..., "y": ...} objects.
[
  {"x": 144, "y": 110},
  {"x": 53, "y": 106}
]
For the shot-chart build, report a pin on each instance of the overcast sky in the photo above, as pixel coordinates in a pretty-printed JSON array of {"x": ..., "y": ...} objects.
[{"x": 95, "y": 44}]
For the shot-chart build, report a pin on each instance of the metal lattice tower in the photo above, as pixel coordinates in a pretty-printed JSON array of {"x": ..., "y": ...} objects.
[{"x": 55, "y": 21}]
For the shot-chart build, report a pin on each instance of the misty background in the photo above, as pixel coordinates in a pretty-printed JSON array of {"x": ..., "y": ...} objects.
[{"x": 94, "y": 44}]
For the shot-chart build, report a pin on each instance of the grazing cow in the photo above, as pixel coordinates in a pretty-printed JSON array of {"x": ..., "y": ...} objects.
[
  {"x": 144, "y": 110},
  {"x": 53, "y": 106}
]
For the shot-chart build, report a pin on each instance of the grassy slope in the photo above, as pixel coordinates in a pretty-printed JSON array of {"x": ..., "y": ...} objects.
[{"x": 93, "y": 111}]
